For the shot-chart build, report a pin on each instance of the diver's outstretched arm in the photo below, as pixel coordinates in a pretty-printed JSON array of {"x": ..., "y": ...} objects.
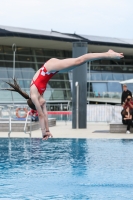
[{"x": 43, "y": 118}]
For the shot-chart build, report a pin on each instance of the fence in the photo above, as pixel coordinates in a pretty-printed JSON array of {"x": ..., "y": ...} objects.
[
  {"x": 104, "y": 113},
  {"x": 95, "y": 113}
]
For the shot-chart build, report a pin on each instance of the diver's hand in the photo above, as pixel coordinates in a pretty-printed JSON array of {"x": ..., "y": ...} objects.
[{"x": 47, "y": 135}]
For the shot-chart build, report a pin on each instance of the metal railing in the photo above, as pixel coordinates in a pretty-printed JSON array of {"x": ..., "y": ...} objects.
[
  {"x": 7, "y": 113},
  {"x": 112, "y": 95}
]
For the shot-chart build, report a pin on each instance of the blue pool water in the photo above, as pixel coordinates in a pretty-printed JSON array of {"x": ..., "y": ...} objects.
[{"x": 66, "y": 169}]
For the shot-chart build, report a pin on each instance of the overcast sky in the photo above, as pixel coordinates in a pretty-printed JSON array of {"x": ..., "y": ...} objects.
[{"x": 113, "y": 18}]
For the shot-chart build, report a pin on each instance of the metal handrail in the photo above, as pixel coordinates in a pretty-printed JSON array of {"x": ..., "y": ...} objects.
[
  {"x": 10, "y": 107},
  {"x": 112, "y": 95},
  {"x": 26, "y": 124}
]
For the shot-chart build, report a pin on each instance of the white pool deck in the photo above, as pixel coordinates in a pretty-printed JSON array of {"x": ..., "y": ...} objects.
[{"x": 64, "y": 130}]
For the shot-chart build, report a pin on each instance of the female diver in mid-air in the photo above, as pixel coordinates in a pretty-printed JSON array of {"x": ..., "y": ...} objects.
[{"x": 43, "y": 75}]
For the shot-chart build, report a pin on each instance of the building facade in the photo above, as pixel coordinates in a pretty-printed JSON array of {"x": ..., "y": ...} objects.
[{"x": 34, "y": 48}]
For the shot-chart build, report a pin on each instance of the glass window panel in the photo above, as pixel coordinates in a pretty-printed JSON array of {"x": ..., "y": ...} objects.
[
  {"x": 28, "y": 69},
  {"x": 88, "y": 76},
  {"x": 50, "y": 53},
  {"x": 96, "y": 76},
  {"x": 128, "y": 76},
  {"x": 26, "y": 58},
  {"x": 3, "y": 84},
  {"x": 3, "y": 73},
  {"x": 1, "y": 49},
  {"x": 5, "y": 96},
  {"x": 42, "y": 59},
  {"x": 95, "y": 68},
  {"x": 58, "y": 94},
  {"x": 59, "y": 53},
  {"x": 8, "y": 57},
  {"x": 18, "y": 97},
  {"x": 23, "y": 50},
  {"x": 27, "y": 83},
  {"x": 67, "y": 85},
  {"x": 99, "y": 87},
  {"x": 8, "y": 50},
  {"x": 10, "y": 64},
  {"x": 118, "y": 76},
  {"x": 21, "y": 83},
  {"x": 107, "y": 76},
  {"x": 114, "y": 87},
  {"x": 1, "y": 57},
  {"x": 117, "y": 68},
  {"x": 2, "y": 64},
  {"x": 124, "y": 69},
  {"x": 18, "y": 73},
  {"x": 57, "y": 84},
  {"x": 96, "y": 62},
  {"x": 130, "y": 69},
  {"x": 39, "y": 65},
  {"x": 107, "y": 68},
  {"x": 27, "y": 74},
  {"x": 104, "y": 62},
  {"x": 68, "y": 54},
  {"x": 58, "y": 76},
  {"x": 27, "y": 65},
  {"x": 130, "y": 87},
  {"x": 39, "y": 52}
]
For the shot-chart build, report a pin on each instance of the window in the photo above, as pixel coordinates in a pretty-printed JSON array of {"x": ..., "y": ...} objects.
[
  {"x": 96, "y": 76},
  {"x": 128, "y": 76},
  {"x": 49, "y": 53},
  {"x": 99, "y": 87},
  {"x": 8, "y": 50},
  {"x": 5, "y": 96},
  {"x": 26, "y": 58},
  {"x": 3, "y": 73},
  {"x": 3, "y": 84},
  {"x": 58, "y": 76},
  {"x": 117, "y": 68},
  {"x": 118, "y": 76},
  {"x": 114, "y": 87},
  {"x": 130, "y": 87},
  {"x": 94, "y": 68},
  {"x": 10, "y": 64},
  {"x": 8, "y": 57},
  {"x": 17, "y": 73},
  {"x": 42, "y": 59},
  {"x": 27, "y": 83},
  {"x": 39, "y": 52},
  {"x": 27, "y": 73},
  {"x": 107, "y": 76},
  {"x": 24, "y": 51},
  {"x": 57, "y": 84}
]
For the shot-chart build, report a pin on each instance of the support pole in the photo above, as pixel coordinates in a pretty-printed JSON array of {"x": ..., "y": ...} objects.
[
  {"x": 77, "y": 104},
  {"x": 80, "y": 76},
  {"x": 14, "y": 51}
]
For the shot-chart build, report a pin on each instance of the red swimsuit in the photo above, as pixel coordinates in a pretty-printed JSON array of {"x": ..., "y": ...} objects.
[{"x": 42, "y": 79}]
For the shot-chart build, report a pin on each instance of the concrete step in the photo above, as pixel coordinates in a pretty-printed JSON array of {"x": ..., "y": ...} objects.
[{"x": 119, "y": 128}]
